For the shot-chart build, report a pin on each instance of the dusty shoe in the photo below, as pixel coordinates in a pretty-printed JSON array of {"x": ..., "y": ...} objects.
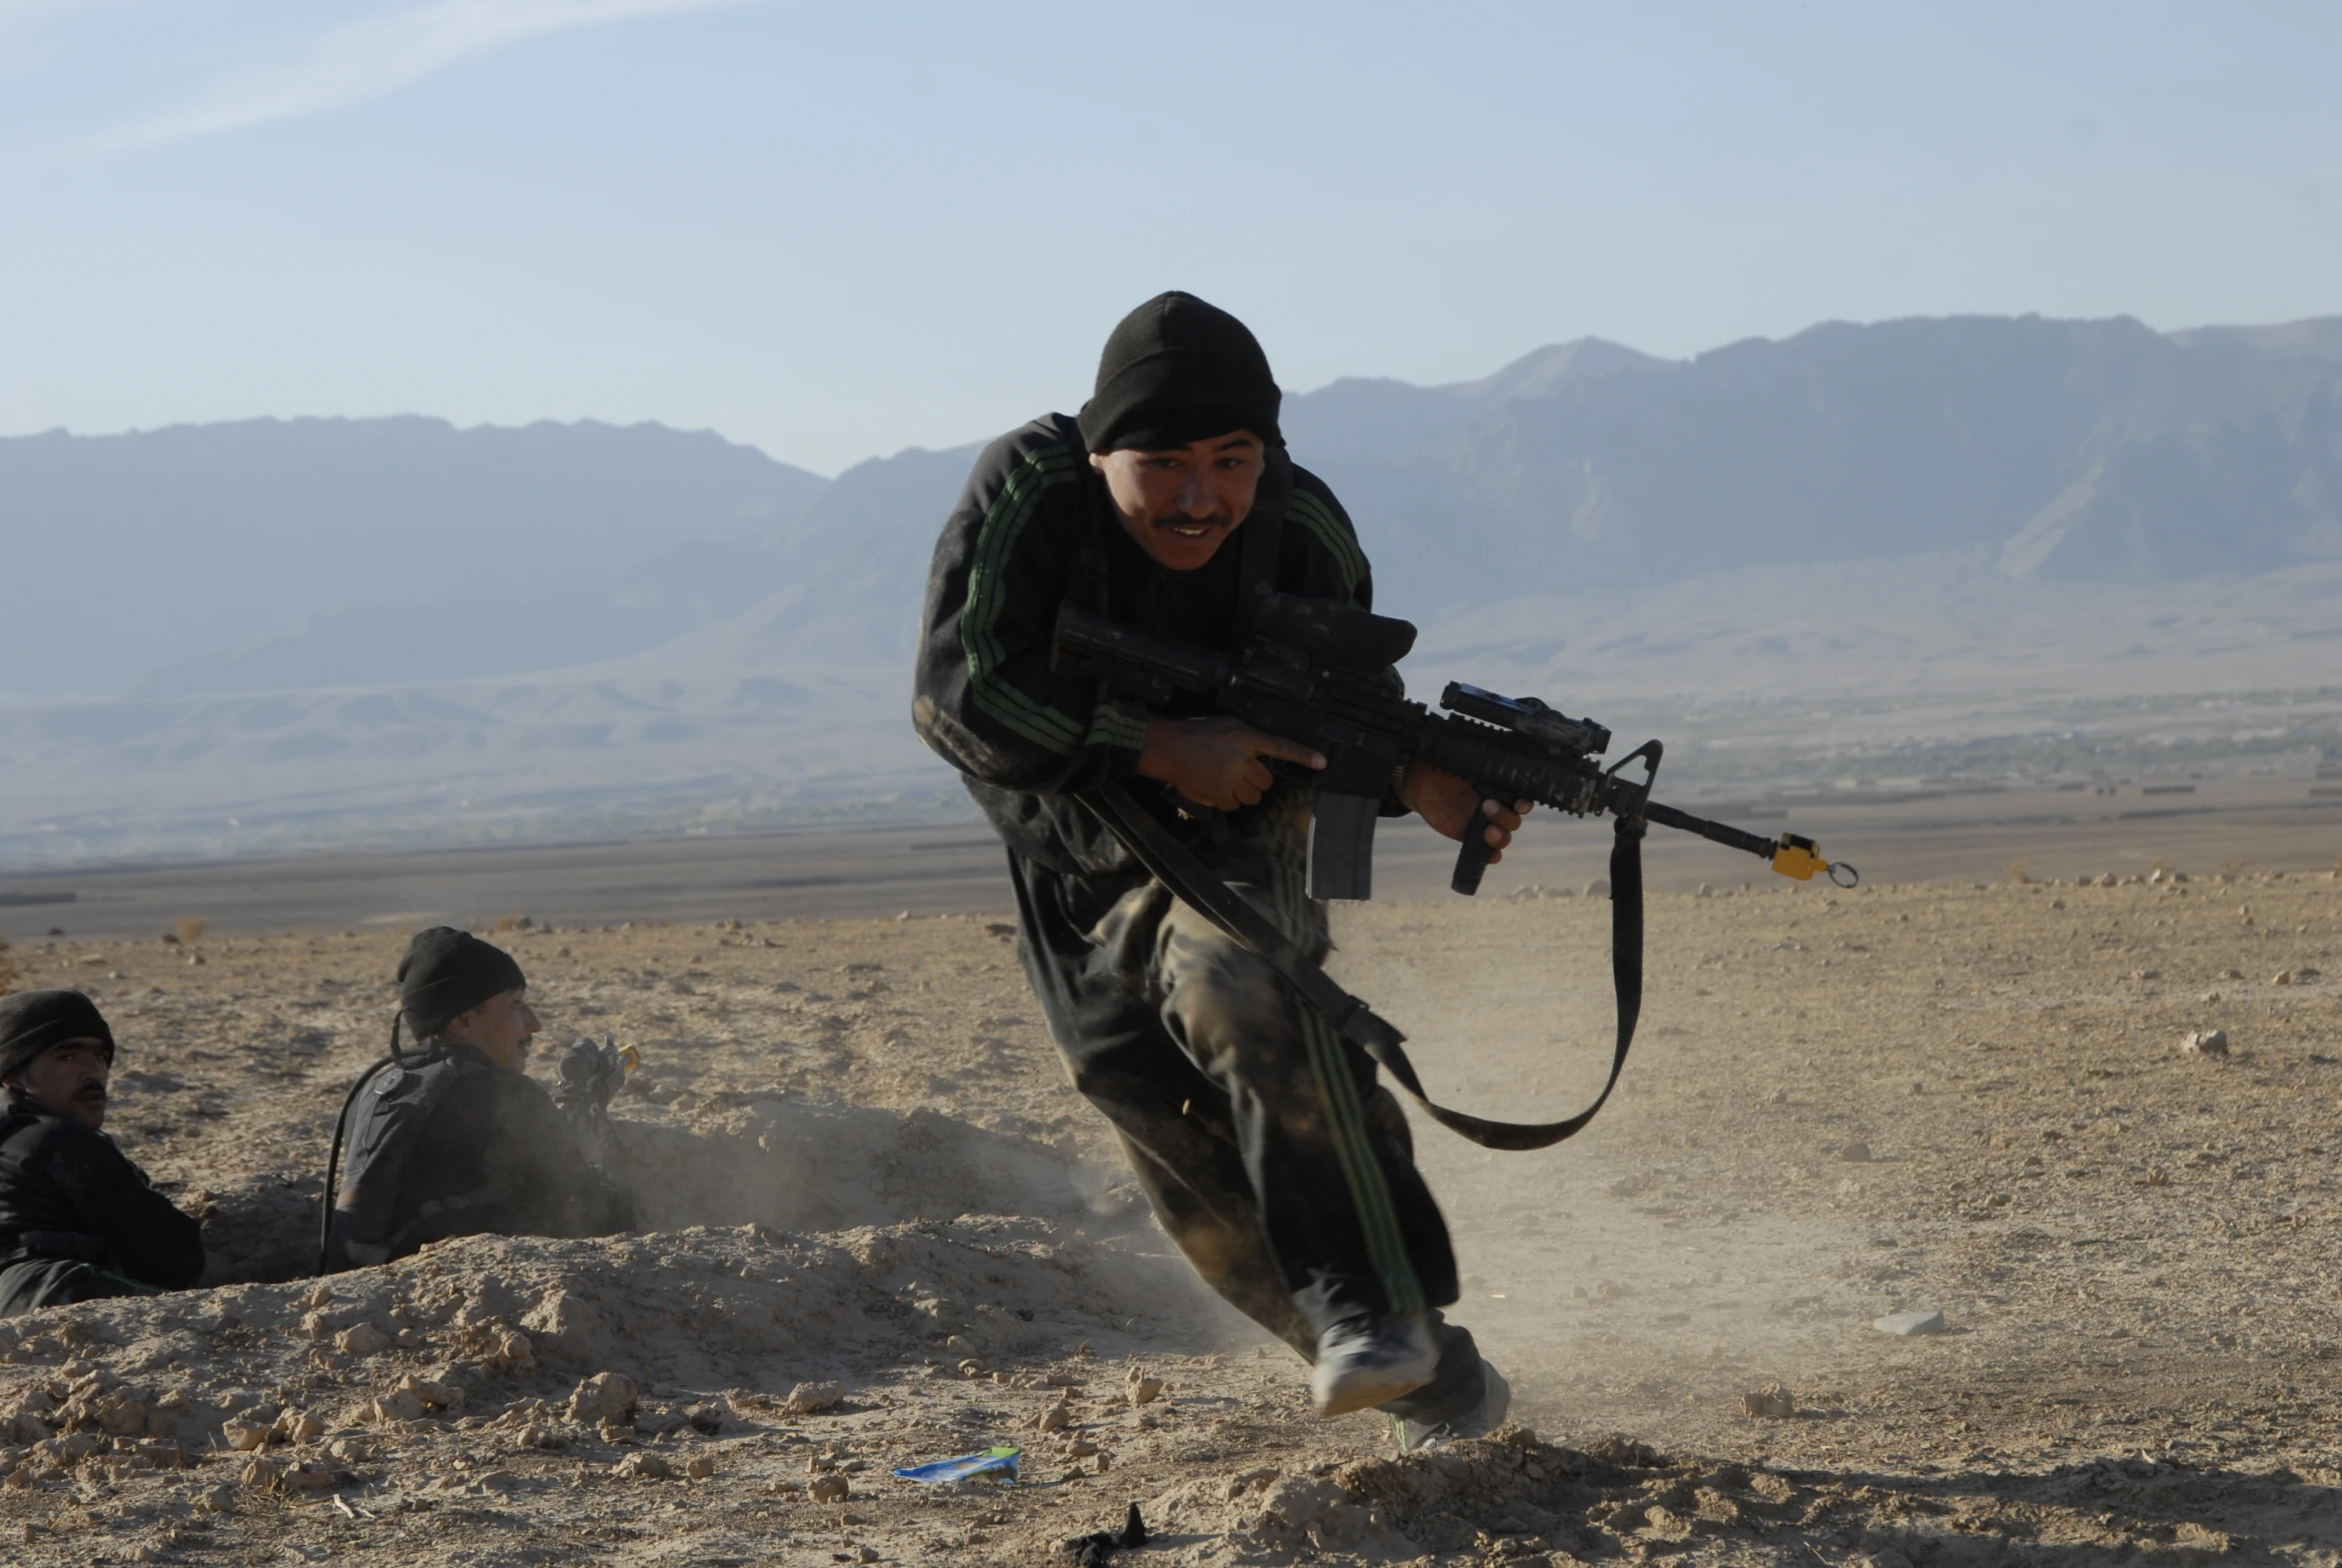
[
  {"x": 1479, "y": 1422},
  {"x": 1370, "y": 1362}
]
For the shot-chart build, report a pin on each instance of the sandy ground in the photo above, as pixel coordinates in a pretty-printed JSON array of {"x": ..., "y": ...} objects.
[{"x": 863, "y": 1166}]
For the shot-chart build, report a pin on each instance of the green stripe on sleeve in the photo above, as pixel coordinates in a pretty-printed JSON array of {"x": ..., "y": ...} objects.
[
  {"x": 1336, "y": 540},
  {"x": 996, "y": 544}
]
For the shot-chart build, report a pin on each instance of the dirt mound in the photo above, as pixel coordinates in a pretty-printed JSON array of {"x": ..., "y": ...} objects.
[
  {"x": 515, "y": 1316},
  {"x": 786, "y": 1164}
]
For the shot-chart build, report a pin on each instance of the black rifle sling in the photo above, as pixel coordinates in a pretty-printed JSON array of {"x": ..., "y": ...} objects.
[{"x": 1180, "y": 869}]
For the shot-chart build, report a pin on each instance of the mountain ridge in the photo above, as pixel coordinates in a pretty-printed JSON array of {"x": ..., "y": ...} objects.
[{"x": 1954, "y": 520}]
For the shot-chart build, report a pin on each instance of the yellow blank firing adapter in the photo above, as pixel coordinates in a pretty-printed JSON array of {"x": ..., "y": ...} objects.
[
  {"x": 629, "y": 1059},
  {"x": 1802, "y": 857}
]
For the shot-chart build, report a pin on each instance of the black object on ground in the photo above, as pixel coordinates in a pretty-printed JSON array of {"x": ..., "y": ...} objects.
[{"x": 1098, "y": 1547}]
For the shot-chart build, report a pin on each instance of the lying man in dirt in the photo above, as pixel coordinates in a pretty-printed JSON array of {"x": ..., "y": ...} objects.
[
  {"x": 1272, "y": 1155},
  {"x": 77, "y": 1221},
  {"x": 451, "y": 1137}
]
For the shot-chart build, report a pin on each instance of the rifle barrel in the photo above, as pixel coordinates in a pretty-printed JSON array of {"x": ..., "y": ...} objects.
[{"x": 1715, "y": 832}]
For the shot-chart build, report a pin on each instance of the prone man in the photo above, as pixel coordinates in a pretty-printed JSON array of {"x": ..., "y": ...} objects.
[
  {"x": 453, "y": 1138},
  {"x": 78, "y": 1221}
]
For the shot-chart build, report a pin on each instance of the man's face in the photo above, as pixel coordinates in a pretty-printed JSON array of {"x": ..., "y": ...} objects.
[
  {"x": 1181, "y": 503},
  {"x": 501, "y": 1027},
  {"x": 69, "y": 1079}
]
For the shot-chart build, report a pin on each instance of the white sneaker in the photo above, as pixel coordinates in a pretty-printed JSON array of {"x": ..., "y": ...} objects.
[
  {"x": 1495, "y": 1400},
  {"x": 1371, "y": 1361}
]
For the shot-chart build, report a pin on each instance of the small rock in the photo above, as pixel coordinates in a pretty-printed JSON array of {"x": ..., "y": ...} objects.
[
  {"x": 434, "y": 1395},
  {"x": 1054, "y": 1419},
  {"x": 705, "y": 1419},
  {"x": 605, "y": 1396},
  {"x": 829, "y": 1489},
  {"x": 1908, "y": 1324},
  {"x": 244, "y": 1436},
  {"x": 1772, "y": 1402},
  {"x": 811, "y": 1398},
  {"x": 297, "y": 1426},
  {"x": 642, "y": 1466},
  {"x": 215, "y": 1499},
  {"x": 1144, "y": 1390},
  {"x": 1598, "y": 888},
  {"x": 2284, "y": 977},
  {"x": 1854, "y": 1154},
  {"x": 394, "y": 1407},
  {"x": 2206, "y": 1043},
  {"x": 866, "y": 1554},
  {"x": 700, "y": 1466},
  {"x": 361, "y": 1339}
]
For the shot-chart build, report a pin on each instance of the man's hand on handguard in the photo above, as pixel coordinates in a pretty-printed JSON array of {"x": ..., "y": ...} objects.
[
  {"x": 1216, "y": 762},
  {"x": 1450, "y": 805}
]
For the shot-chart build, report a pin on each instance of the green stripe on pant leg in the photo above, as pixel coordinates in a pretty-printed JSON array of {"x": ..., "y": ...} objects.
[
  {"x": 1370, "y": 1193},
  {"x": 1337, "y": 1095}
]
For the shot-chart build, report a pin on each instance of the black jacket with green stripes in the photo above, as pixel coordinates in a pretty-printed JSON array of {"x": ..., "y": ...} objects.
[{"x": 1035, "y": 527}]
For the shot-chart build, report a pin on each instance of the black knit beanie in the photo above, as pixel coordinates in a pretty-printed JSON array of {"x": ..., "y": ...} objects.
[
  {"x": 446, "y": 973},
  {"x": 33, "y": 1020},
  {"x": 1176, "y": 370}
]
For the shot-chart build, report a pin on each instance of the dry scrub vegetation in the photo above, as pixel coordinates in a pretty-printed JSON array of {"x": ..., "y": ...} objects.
[{"x": 864, "y": 1170}]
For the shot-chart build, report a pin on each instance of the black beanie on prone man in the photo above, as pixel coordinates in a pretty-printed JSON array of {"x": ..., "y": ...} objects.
[
  {"x": 33, "y": 1020},
  {"x": 447, "y": 972},
  {"x": 1176, "y": 370}
]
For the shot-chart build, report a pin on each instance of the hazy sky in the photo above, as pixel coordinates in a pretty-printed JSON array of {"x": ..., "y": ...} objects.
[{"x": 842, "y": 228}]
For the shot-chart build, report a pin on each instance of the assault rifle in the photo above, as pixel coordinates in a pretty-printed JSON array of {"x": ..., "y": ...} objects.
[{"x": 1321, "y": 673}]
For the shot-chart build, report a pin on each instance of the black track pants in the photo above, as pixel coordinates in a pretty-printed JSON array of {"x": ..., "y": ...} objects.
[{"x": 1280, "y": 1168}]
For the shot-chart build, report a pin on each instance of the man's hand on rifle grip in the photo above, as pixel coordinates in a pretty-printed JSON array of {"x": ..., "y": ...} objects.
[
  {"x": 1216, "y": 762},
  {"x": 1451, "y": 805}
]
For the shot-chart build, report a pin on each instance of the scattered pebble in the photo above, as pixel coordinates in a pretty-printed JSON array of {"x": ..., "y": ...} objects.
[
  {"x": 812, "y": 1398},
  {"x": 1772, "y": 1402},
  {"x": 1912, "y": 1323},
  {"x": 605, "y": 1396},
  {"x": 2206, "y": 1043},
  {"x": 361, "y": 1339}
]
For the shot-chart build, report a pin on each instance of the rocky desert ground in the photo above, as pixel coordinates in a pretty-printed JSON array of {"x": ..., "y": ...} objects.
[{"x": 882, "y": 1231}]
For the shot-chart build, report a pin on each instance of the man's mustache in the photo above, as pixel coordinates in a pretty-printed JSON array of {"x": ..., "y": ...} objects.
[{"x": 91, "y": 1091}]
